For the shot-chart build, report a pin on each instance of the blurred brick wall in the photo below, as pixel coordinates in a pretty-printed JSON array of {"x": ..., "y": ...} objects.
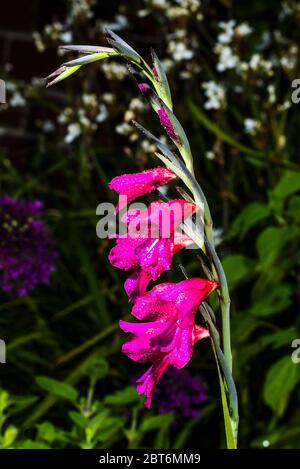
[{"x": 18, "y": 54}]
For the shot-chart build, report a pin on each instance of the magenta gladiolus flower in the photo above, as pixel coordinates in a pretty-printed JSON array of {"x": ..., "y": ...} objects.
[
  {"x": 169, "y": 336},
  {"x": 148, "y": 249},
  {"x": 137, "y": 184}
]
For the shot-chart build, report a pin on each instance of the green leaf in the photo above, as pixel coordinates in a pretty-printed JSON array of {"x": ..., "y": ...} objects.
[
  {"x": 48, "y": 432},
  {"x": 280, "y": 381},
  {"x": 97, "y": 421},
  {"x": 288, "y": 184},
  {"x": 109, "y": 427},
  {"x": 273, "y": 301},
  {"x": 97, "y": 368},
  {"x": 9, "y": 436},
  {"x": 250, "y": 216},
  {"x": 155, "y": 422},
  {"x": 123, "y": 397},
  {"x": 79, "y": 419},
  {"x": 294, "y": 208},
  {"x": 237, "y": 268},
  {"x": 271, "y": 241},
  {"x": 30, "y": 444},
  {"x": 57, "y": 388}
]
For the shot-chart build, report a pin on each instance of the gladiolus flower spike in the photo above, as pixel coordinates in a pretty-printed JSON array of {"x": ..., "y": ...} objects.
[{"x": 168, "y": 336}]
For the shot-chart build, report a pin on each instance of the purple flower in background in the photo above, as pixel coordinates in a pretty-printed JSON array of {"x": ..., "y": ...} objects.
[
  {"x": 27, "y": 251},
  {"x": 181, "y": 393}
]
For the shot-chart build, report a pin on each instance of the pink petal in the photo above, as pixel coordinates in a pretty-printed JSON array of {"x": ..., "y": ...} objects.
[
  {"x": 183, "y": 349},
  {"x": 148, "y": 381},
  {"x": 155, "y": 256},
  {"x": 122, "y": 255},
  {"x": 138, "y": 347},
  {"x": 137, "y": 184},
  {"x": 200, "y": 333},
  {"x": 151, "y": 306},
  {"x": 136, "y": 284}
]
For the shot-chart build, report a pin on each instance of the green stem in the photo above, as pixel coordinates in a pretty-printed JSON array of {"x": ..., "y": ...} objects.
[{"x": 224, "y": 303}]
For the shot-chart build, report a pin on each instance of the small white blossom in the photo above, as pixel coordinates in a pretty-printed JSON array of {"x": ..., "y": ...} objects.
[
  {"x": 215, "y": 95},
  {"x": 66, "y": 37},
  {"x": 243, "y": 29},
  {"x": 17, "y": 100},
  {"x": 103, "y": 113},
  {"x": 225, "y": 37},
  {"x": 73, "y": 131},
  {"x": 48, "y": 126},
  {"x": 124, "y": 129},
  {"x": 89, "y": 100},
  {"x": 180, "y": 51},
  {"x": 272, "y": 94},
  {"x": 160, "y": 3},
  {"x": 114, "y": 70},
  {"x": 251, "y": 126},
  {"x": 227, "y": 59},
  {"x": 209, "y": 155}
]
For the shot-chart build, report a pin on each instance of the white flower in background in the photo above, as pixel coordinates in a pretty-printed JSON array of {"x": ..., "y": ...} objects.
[
  {"x": 66, "y": 37},
  {"x": 83, "y": 119},
  {"x": 114, "y": 70},
  {"x": 148, "y": 147},
  {"x": 160, "y": 3},
  {"x": 89, "y": 100},
  {"x": 65, "y": 115},
  {"x": 243, "y": 29},
  {"x": 215, "y": 95},
  {"x": 73, "y": 131},
  {"x": 143, "y": 13},
  {"x": 137, "y": 104},
  {"x": 288, "y": 62},
  {"x": 81, "y": 8},
  {"x": 255, "y": 61},
  {"x": 272, "y": 94},
  {"x": 284, "y": 106},
  {"x": 124, "y": 129},
  {"x": 120, "y": 23},
  {"x": 227, "y": 58},
  {"x": 38, "y": 41},
  {"x": 180, "y": 51},
  {"x": 103, "y": 113},
  {"x": 225, "y": 37},
  {"x": 210, "y": 155},
  {"x": 17, "y": 100},
  {"x": 108, "y": 98},
  {"x": 217, "y": 236},
  {"x": 48, "y": 126},
  {"x": 10, "y": 86},
  {"x": 258, "y": 62},
  {"x": 251, "y": 126}
]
